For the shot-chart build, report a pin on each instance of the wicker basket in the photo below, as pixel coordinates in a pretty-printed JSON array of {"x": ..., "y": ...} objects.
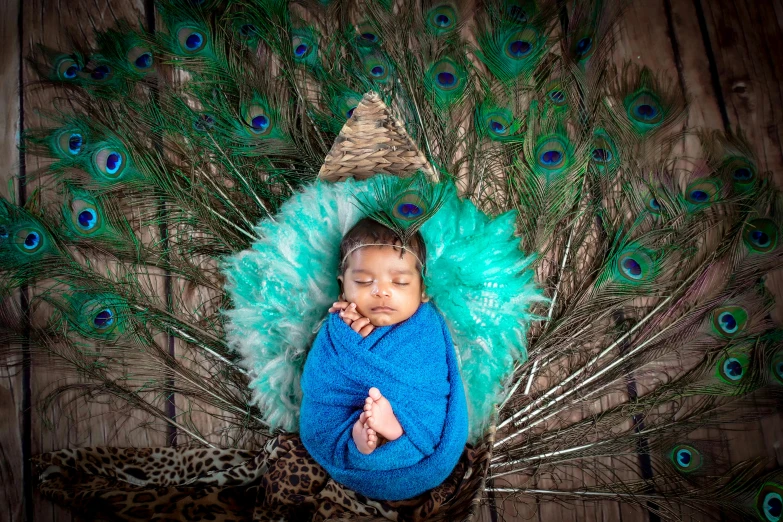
[{"x": 373, "y": 141}]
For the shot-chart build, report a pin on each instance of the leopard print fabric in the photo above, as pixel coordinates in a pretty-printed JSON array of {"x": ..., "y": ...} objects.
[{"x": 166, "y": 484}]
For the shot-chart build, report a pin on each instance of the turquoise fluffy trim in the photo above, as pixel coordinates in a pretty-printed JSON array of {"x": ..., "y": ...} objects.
[
  {"x": 479, "y": 280},
  {"x": 282, "y": 287}
]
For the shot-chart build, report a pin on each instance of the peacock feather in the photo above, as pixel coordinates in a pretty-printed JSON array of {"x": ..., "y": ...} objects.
[{"x": 180, "y": 255}]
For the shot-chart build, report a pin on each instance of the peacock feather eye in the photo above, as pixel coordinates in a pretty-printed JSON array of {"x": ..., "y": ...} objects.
[
  {"x": 98, "y": 315},
  {"x": 702, "y": 192},
  {"x": 367, "y": 36},
  {"x": 729, "y": 321},
  {"x": 441, "y": 19},
  {"x": 686, "y": 458},
  {"x": 85, "y": 216},
  {"x": 376, "y": 67},
  {"x": 517, "y": 11},
  {"x": 761, "y": 235},
  {"x": 259, "y": 120},
  {"x": 140, "y": 59},
  {"x": 511, "y": 50},
  {"x": 496, "y": 123},
  {"x": 344, "y": 103},
  {"x": 601, "y": 154},
  {"x": 303, "y": 43},
  {"x": 29, "y": 240},
  {"x": 732, "y": 368},
  {"x": 777, "y": 367},
  {"x": 653, "y": 205},
  {"x": 248, "y": 31},
  {"x": 604, "y": 153},
  {"x": 551, "y": 154},
  {"x": 521, "y": 44},
  {"x": 445, "y": 75},
  {"x": 3, "y": 232},
  {"x": 635, "y": 265},
  {"x": 582, "y": 47},
  {"x": 447, "y": 79},
  {"x": 204, "y": 122},
  {"x": 409, "y": 207},
  {"x": 645, "y": 108},
  {"x": 555, "y": 93},
  {"x": 557, "y": 96},
  {"x": 191, "y": 40},
  {"x": 101, "y": 73},
  {"x": 769, "y": 502},
  {"x": 103, "y": 320},
  {"x": 517, "y": 15},
  {"x": 110, "y": 162},
  {"x": 301, "y": 50},
  {"x": 70, "y": 143},
  {"x": 741, "y": 172},
  {"x": 67, "y": 68}
]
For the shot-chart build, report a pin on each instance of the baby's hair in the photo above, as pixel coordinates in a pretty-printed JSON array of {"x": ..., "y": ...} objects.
[{"x": 368, "y": 231}]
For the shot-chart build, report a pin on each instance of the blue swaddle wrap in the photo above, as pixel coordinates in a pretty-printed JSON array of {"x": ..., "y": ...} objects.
[{"x": 414, "y": 365}]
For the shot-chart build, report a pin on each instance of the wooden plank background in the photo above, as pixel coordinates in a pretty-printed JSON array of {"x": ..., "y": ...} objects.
[{"x": 722, "y": 53}]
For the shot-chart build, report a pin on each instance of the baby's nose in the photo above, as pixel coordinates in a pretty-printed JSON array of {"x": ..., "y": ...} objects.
[{"x": 381, "y": 290}]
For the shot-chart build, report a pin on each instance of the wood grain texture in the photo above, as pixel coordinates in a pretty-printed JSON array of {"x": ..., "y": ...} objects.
[
  {"x": 59, "y": 25},
  {"x": 11, "y": 390},
  {"x": 747, "y": 38}
]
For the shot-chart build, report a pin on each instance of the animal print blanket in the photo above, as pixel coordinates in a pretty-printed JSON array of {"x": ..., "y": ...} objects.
[{"x": 167, "y": 484}]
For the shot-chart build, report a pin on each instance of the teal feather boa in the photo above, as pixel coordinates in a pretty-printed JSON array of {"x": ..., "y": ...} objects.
[{"x": 283, "y": 286}]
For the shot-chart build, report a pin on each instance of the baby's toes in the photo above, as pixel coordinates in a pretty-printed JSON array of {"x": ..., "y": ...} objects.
[
  {"x": 371, "y": 422},
  {"x": 363, "y": 417},
  {"x": 372, "y": 438}
]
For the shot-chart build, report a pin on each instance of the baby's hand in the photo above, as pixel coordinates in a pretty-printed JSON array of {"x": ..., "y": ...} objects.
[
  {"x": 352, "y": 318},
  {"x": 339, "y": 306}
]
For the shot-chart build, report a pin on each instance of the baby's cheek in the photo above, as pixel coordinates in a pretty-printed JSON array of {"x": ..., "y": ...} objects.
[{"x": 360, "y": 309}]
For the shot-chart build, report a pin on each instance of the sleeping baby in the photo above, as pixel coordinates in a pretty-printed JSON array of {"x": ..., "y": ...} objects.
[{"x": 383, "y": 408}]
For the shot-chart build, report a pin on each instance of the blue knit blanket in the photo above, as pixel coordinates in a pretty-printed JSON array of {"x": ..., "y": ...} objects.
[{"x": 414, "y": 365}]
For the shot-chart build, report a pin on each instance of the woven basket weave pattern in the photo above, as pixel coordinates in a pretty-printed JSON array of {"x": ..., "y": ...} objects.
[{"x": 372, "y": 142}]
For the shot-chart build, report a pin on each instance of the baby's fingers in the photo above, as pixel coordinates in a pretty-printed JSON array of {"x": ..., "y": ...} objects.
[
  {"x": 353, "y": 316},
  {"x": 367, "y": 330},
  {"x": 338, "y": 306},
  {"x": 359, "y": 324},
  {"x": 351, "y": 313}
]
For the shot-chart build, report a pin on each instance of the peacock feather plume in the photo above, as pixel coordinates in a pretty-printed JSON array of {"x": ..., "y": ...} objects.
[
  {"x": 403, "y": 204},
  {"x": 512, "y": 51}
]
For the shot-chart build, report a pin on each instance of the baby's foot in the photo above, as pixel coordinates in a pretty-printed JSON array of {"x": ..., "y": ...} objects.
[
  {"x": 380, "y": 416},
  {"x": 365, "y": 438}
]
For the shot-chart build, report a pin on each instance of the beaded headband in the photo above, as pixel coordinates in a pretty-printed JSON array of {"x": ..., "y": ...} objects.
[{"x": 351, "y": 251}]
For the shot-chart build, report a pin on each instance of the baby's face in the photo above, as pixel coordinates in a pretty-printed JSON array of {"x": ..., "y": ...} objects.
[{"x": 386, "y": 288}]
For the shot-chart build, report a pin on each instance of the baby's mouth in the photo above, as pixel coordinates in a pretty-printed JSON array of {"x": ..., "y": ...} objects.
[{"x": 382, "y": 309}]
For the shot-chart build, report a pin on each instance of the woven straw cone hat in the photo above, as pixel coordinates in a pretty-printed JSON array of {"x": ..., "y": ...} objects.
[{"x": 373, "y": 141}]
